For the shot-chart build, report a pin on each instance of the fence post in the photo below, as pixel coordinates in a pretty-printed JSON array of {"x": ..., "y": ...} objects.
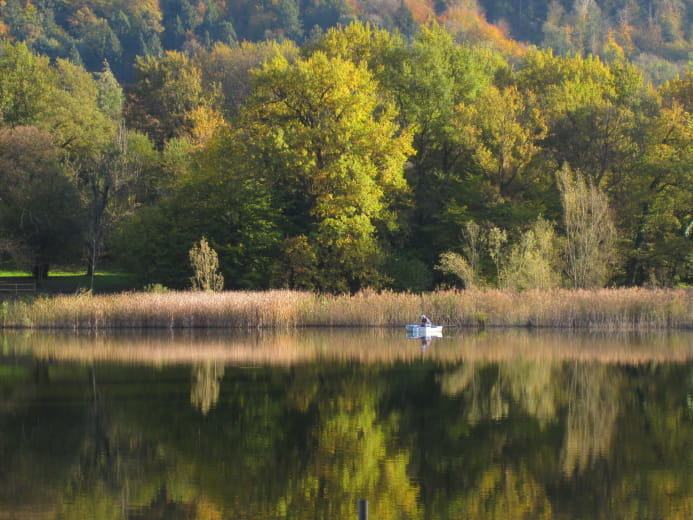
[{"x": 363, "y": 509}]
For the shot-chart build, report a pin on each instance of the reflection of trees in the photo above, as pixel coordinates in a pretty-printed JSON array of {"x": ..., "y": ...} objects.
[
  {"x": 108, "y": 470},
  {"x": 492, "y": 462},
  {"x": 539, "y": 389},
  {"x": 504, "y": 493},
  {"x": 310, "y": 440},
  {"x": 303, "y": 389},
  {"x": 481, "y": 401},
  {"x": 354, "y": 458},
  {"x": 204, "y": 393},
  {"x": 37, "y": 440},
  {"x": 652, "y": 447},
  {"x": 536, "y": 387},
  {"x": 592, "y": 399},
  {"x": 490, "y": 391},
  {"x": 589, "y": 392}
]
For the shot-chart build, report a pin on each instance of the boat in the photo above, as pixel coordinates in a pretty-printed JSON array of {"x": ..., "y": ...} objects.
[{"x": 428, "y": 330}]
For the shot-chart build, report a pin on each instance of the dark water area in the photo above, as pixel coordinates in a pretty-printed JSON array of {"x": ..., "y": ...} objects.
[{"x": 303, "y": 425}]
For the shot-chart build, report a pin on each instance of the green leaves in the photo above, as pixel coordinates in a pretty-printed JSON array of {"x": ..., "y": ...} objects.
[
  {"x": 502, "y": 130},
  {"x": 331, "y": 142},
  {"x": 26, "y": 84},
  {"x": 357, "y": 151},
  {"x": 40, "y": 211},
  {"x": 167, "y": 91}
]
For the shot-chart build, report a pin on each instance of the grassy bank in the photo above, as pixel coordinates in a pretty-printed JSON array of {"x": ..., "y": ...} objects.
[
  {"x": 617, "y": 309},
  {"x": 70, "y": 282}
]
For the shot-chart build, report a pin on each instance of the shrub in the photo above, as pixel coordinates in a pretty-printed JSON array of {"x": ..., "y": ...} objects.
[{"x": 205, "y": 263}]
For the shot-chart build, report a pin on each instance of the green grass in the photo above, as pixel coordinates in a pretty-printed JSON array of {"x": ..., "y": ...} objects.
[
  {"x": 64, "y": 280},
  {"x": 14, "y": 274}
]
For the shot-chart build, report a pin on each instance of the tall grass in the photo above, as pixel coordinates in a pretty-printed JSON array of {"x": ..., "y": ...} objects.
[{"x": 606, "y": 309}]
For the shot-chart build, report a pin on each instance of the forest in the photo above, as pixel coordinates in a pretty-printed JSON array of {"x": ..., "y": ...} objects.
[{"x": 338, "y": 145}]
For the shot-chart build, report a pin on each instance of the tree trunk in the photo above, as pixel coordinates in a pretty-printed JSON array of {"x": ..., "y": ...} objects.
[{"x": 40, "y": 271}]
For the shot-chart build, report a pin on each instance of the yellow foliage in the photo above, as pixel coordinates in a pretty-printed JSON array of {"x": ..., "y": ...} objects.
[{"x": 205, "y": 123}]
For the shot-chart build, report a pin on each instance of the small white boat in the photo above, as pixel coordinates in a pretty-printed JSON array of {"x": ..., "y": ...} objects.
[{"x": 428, "y": 330}]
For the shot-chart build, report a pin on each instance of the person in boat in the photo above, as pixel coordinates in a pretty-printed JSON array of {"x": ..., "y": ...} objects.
[{"x": 425, "y": 321}]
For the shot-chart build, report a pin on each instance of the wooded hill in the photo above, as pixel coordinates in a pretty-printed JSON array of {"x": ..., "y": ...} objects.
[
  {"x": 656, "y": 34},
  {"x": 443, "y": 152}
]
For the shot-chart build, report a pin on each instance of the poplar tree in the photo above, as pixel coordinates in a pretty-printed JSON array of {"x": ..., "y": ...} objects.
[{"x": 589, "y": 228}]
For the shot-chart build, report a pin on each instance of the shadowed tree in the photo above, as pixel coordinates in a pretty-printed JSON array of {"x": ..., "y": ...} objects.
[
  {"x": 167, "y": 91},
  {"x": 39, "y": 205}
]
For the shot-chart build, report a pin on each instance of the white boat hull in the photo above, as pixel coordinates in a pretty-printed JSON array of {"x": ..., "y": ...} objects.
[{"x": 429, "y": 330}]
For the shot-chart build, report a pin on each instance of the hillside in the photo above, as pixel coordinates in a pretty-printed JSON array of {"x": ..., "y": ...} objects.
[{"x": 656, "y": 35}]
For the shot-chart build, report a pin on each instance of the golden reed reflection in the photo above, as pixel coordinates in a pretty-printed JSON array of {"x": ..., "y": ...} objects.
[{"x": 363, "y": 345}]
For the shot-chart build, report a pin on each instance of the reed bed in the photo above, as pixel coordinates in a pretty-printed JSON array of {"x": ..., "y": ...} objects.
[{"x": 606, "y": 309}]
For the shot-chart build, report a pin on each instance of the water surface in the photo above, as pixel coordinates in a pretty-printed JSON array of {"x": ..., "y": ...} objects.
[{"x": 259, "y": 425}]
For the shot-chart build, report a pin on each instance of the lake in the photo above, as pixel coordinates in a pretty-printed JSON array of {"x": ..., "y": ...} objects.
[{"x": 262, "y": 425}]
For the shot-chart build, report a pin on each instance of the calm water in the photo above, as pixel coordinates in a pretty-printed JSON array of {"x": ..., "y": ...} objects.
[{"x": 515, "y": 425}]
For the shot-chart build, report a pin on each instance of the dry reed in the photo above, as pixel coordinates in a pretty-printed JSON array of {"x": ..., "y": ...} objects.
[{"x": 606, "y": 309}]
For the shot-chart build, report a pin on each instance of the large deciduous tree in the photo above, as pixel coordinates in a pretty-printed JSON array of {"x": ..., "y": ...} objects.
[
  {"x": 658, "y": 217},
  {"x": 226, "y": 70},
  {"x": 39, "y": 205},
  {"x": 216, "y": 193},
  {"x": 502, "y": 129},
  {"x": 27, "y": 82},
  {"x": 82, "y": 116},
  {"x": 332, "y": 148},
  {"x": 427, "y": 80},
  {"x": 591, "y": 110},
  {"x": 167, "y": 91}
]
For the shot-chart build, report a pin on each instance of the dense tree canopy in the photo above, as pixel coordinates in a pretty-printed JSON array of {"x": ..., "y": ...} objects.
[
  {"x": 655, "y": 34},
  {"x": 336, "y": 156},
  {"x": 39, "y": 211},
  {"x": 356, "y": 155}
]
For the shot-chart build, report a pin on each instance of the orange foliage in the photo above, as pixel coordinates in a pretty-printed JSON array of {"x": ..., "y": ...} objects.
[
  {"x": 83, "y": 17},
  {"x": 611, "y": 49},
  {"x": 624, "y": 37},
  {"x": 354, "y": 6},
  {"x": 201, "y": 11},
  {"x": 467, "y": 21},
  {"x": 421, "y": 10}
]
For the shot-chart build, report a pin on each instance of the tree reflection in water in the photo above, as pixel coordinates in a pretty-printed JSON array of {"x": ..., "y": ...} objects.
[
  {"x": 457, "y": 433},
  {"x": 204, "y": 393}
]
